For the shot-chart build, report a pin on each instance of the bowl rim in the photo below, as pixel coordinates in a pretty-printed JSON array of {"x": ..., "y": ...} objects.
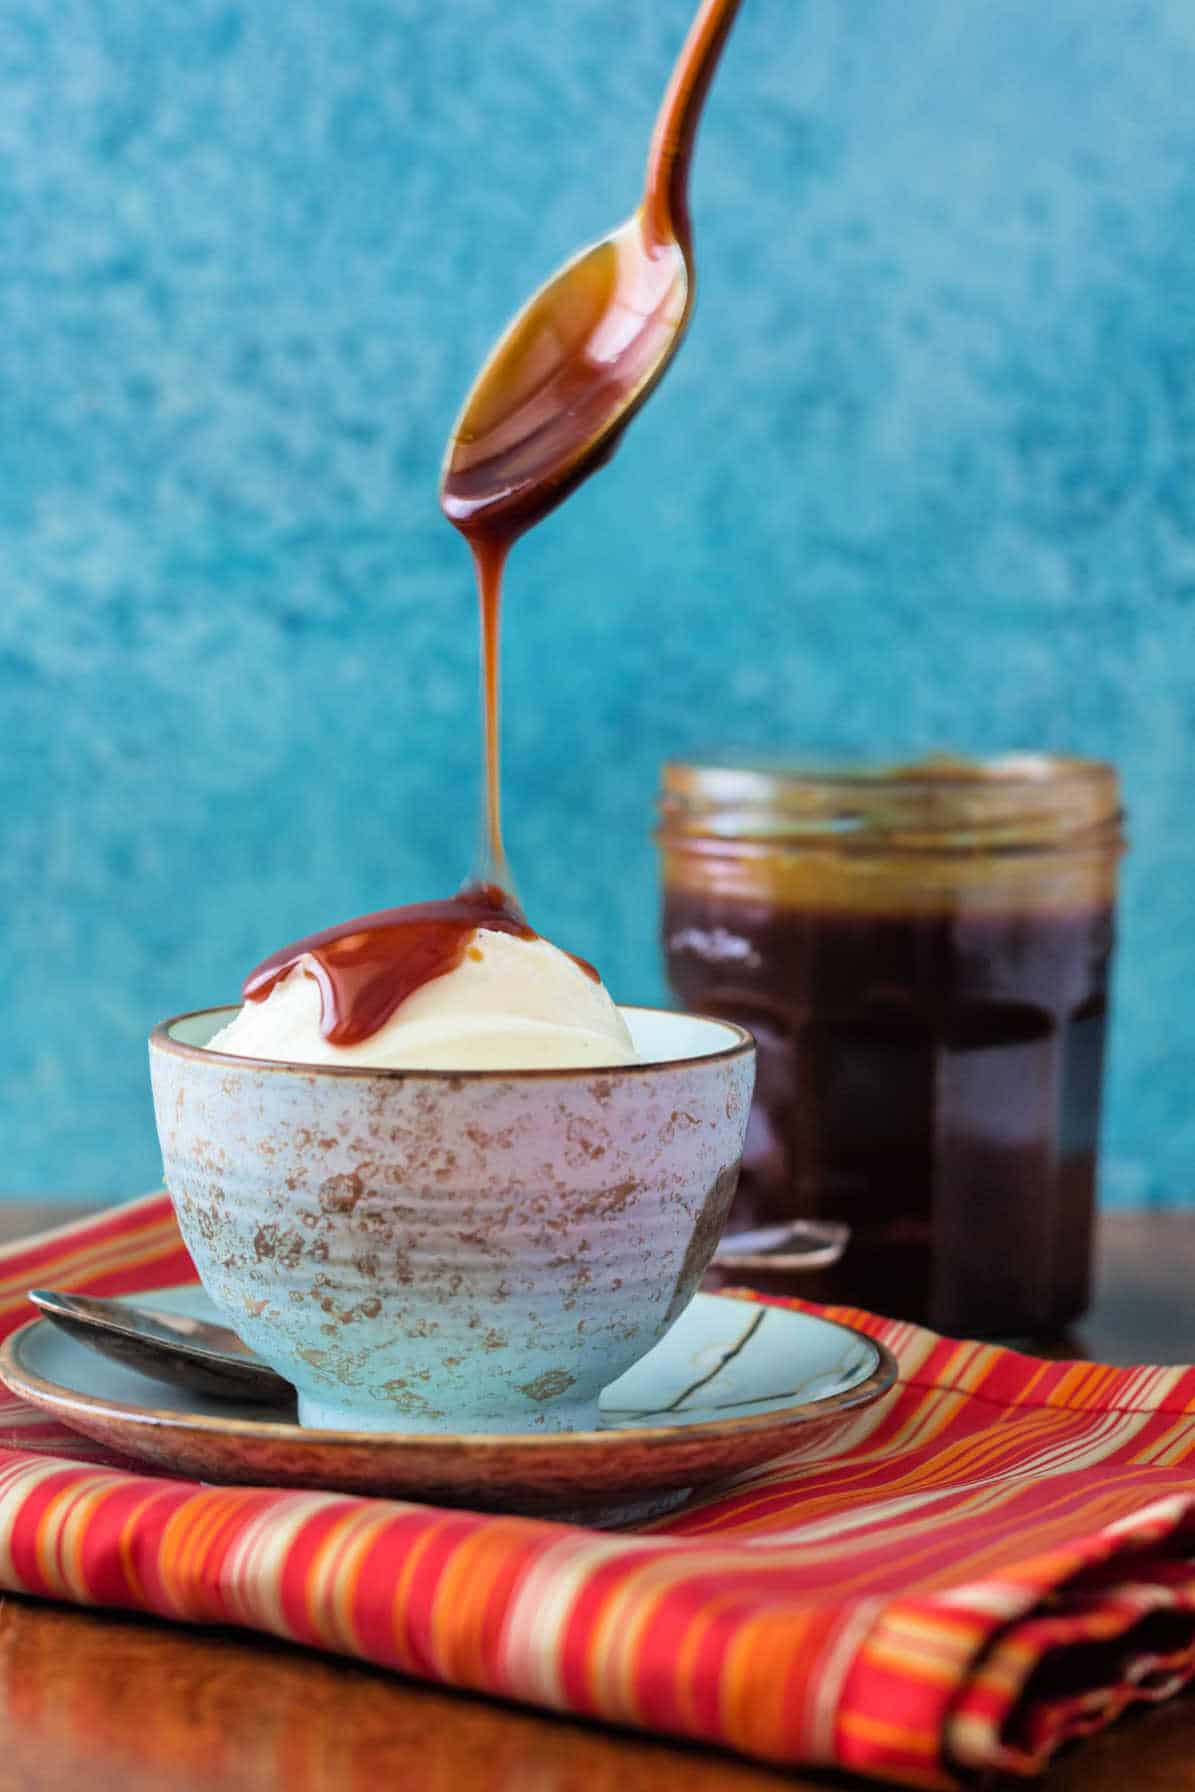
[{"x": 742, "y": 1045}]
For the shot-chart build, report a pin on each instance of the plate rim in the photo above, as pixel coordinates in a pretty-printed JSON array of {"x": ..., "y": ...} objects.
[{"x": 55, "y": 1397}]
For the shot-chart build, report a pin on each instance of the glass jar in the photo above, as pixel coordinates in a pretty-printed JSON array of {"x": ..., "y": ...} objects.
[{"x": 922, "y": 953}]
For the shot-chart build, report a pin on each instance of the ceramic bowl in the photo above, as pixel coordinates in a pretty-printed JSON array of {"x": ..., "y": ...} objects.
[{"x": 437, "y": 1251}]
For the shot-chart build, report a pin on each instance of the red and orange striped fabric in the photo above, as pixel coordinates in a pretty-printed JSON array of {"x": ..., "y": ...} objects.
[{"x": 997, "y": 1557}]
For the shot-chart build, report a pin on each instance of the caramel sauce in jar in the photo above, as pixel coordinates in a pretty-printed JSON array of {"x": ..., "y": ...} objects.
[{"x": 922, "y": 953}]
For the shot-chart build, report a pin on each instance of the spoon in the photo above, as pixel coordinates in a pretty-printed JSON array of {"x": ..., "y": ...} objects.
[
  {"x": 170, "y": 1347},
  {"x": 211, "y": 1359},
  {"x": 571, "y": 370},
  {"x": 799, "y": 1245},
  {"x": 582, "y": 356}
]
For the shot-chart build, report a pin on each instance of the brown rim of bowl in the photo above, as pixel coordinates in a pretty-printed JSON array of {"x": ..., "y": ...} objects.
[
  {"x": 882, "y": 1378},
  {"x": 160, "y": 1039}
]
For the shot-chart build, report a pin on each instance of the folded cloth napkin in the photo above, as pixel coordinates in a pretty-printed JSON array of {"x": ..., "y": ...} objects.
[{"x": 995, "y": 1558}]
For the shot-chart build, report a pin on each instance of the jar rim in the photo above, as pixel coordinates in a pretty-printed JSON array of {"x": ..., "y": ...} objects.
[{"x": 1011, "y": 800}]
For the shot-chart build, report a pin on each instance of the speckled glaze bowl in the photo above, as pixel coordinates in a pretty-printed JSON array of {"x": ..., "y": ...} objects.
[{"x": 430, "y": 1251}]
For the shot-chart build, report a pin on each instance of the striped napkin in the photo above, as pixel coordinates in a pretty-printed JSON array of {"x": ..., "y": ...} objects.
[{"x": 995, "y": 1558}]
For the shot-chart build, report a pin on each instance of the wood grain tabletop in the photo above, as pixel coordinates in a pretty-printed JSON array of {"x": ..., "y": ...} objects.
[{"x": 129, "y": 1705}]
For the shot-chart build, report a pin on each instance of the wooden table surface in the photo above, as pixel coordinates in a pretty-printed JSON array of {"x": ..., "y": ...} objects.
[{"x": 129, "y": 1705}]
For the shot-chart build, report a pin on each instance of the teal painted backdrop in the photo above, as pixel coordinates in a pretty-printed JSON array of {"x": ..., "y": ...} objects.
[{"x": 923, "y": 476}]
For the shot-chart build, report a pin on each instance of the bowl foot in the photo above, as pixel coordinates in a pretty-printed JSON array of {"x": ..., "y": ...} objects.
[{"x": 333, "y": 1415}]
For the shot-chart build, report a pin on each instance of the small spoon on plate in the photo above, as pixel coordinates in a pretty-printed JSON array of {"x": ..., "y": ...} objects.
[
  {"x": 792, "y": 1248},
  {"x": 171, "y": 1347},
  {"x": 212, "y": 1360}
]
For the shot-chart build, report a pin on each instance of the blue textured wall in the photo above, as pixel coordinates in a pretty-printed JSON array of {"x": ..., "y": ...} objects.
[{"x": 924, "y": 475}]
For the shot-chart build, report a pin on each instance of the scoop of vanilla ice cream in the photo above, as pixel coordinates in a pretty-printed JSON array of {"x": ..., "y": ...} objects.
[{"x": 511, "y": 1004}]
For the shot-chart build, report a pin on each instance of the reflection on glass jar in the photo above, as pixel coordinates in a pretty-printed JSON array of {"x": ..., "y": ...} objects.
[{"x": 922, "y": 954}]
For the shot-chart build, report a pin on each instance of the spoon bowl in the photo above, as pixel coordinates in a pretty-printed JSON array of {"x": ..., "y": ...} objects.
[{"x": 565, "y": 379}]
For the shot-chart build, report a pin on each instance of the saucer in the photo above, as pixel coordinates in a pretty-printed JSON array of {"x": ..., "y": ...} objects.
[{"x": 731, "y": 1385}]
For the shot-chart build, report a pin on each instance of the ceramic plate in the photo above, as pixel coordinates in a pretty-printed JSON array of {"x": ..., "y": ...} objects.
[{"x": 731, "y": 1385}]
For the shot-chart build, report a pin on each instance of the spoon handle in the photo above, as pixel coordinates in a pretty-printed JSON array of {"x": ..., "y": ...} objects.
[{"x": 665, "y": 194}]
